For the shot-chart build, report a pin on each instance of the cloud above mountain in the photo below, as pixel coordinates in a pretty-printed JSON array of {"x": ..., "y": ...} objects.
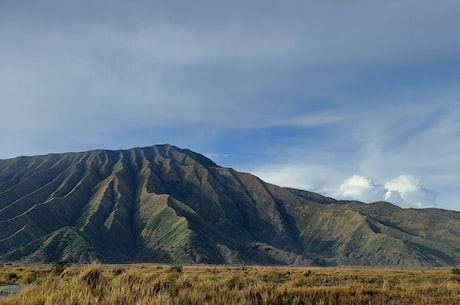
[
  {"x": 403, "y": 190},
  {"x": 360, "y": 188},
  {"x": 407, "y": 191}
]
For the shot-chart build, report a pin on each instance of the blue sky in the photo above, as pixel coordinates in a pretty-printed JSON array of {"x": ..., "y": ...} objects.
[{"x": 351, "y": 99}]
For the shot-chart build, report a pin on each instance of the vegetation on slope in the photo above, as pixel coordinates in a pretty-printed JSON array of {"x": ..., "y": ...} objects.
[{"x": 165, "y": 204}]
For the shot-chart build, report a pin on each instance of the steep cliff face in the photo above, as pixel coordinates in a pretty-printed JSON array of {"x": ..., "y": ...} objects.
[{"x": 165, "y": 204}]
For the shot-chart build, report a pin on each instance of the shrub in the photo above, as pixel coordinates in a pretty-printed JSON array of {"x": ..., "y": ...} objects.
[
  {"x": 277, "y": 277},
  {"x": 456, "y": 271},
  {"x": 29, "y": 277},
  {"x": 118, "y": 271},
  {"x": 301, "y": 282},
  {"x": 239, "y": 283},
  {"x": 12, "y": 277},
  {"x": 59, "y": 266},
  {"x": 176, "y": 268}
]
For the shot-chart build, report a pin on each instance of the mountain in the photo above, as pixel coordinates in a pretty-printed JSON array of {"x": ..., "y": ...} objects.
[{"x": 166, "y": 204}]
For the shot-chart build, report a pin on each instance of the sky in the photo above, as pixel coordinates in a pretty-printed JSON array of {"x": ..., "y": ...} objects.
[{"x": 351, "y": 99}]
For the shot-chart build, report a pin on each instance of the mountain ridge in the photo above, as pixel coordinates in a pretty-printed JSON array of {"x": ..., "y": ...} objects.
[{"x": 166, "y": 204}]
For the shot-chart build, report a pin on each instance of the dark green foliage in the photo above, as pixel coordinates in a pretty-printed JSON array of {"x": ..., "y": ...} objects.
[
  {"x": 59, "y": 266},
  {"x": 118, "y": 271},
  {"x": 456, "y": 271},
  {"x": 12, "y": 277}
]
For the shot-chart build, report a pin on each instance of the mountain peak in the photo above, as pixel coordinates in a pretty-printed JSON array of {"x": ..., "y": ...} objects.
[{"x": 166, "y": 204}]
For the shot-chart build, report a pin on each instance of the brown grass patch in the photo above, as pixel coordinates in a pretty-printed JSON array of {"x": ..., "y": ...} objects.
[{"x": 154, "y": 284}]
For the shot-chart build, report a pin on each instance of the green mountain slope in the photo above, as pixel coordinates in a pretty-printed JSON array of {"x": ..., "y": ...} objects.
[{"x": 165, "y": 204}]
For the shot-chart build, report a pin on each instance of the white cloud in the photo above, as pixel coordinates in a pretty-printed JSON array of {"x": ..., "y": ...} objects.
[
  {"x": 404, "y": 184},
  {"x": 360, "y": 187},
  {"x": 314, "y": 178},
  {"x": 404, "y": 190}
]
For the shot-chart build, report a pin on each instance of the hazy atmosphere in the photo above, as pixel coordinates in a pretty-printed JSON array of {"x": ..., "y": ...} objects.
[{"x": 350, "y": 99}]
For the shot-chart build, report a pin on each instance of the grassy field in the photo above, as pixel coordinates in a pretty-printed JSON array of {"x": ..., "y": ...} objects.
[{"x": 221, "y": 285}]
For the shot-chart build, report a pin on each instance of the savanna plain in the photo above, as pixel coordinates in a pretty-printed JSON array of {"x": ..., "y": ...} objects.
[{"x": 176, "y": 284}]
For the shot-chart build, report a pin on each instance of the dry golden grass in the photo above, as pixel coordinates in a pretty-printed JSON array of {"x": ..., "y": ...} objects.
[{"x": 220, "y": 285}]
